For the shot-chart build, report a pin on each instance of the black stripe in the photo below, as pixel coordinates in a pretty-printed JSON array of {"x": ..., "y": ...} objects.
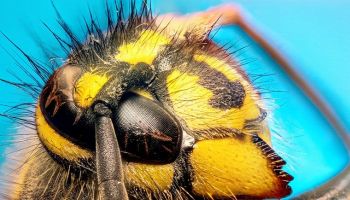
[{"x": 183, "y": 177}]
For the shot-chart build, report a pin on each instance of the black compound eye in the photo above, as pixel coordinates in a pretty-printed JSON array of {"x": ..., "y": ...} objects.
[{"x": 146, "y": 131}]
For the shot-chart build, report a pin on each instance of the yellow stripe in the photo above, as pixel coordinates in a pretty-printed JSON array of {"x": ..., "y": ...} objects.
[
  {"x": 145, "y": 49},
  {"x": 57, "y": 144},
  {"x": 155, "y": 178},
  {"x": 190, "y": 102},
  {"x": 87, "y": 87},
  {"x": 232, "y": 166}
]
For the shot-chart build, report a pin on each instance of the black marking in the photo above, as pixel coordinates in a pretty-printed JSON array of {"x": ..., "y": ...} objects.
[
  {"x": 183, "y": 177},
  {"x": 231, "y": 95},
  {"x": 226, "y": 94},
  {"x": 275, "y": 160},
  {"x": 218, "y": 133}
]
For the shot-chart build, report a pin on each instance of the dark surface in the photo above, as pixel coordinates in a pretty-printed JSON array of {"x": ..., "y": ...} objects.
[{"x": 108, "y": 159}]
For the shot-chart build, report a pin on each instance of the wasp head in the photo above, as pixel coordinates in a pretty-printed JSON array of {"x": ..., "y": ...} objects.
[{"x": 173, "y": 113}]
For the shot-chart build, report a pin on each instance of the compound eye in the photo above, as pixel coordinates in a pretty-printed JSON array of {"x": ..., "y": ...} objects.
[
  {"x": 146, "y": 131},
  {"x": 61, "y": 111}
]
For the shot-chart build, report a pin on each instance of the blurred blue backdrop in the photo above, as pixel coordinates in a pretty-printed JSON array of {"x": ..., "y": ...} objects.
[{"x": 314, "y": 34}]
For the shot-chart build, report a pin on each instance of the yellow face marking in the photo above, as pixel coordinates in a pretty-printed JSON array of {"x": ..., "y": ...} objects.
[
  {"x": 87, "y": 87},
  {"x": 56, "y": 143},
  {"x": 145, "y": 49},
  {"x": 190, "y": 102},
  {"x": 150, "y": 177},
  {"x": 223, "y": 167}
]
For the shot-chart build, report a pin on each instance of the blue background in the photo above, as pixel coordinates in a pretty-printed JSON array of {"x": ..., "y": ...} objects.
[{"x": 314, "y": 34}]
